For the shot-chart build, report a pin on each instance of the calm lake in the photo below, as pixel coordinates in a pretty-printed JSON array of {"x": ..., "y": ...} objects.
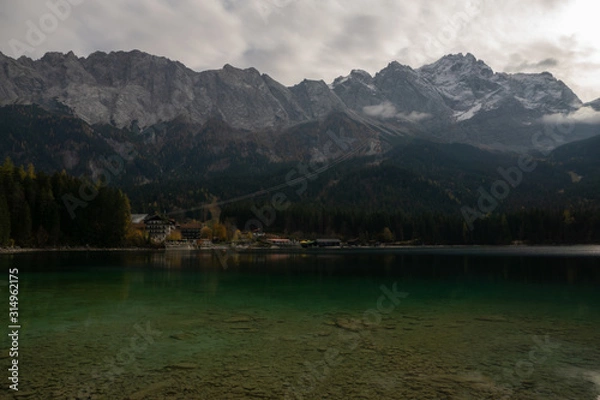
[{"x": 416, "y": 323}]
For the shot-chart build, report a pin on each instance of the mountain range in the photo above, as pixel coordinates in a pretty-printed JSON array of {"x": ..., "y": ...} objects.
[{"x": 68, "y": 112}]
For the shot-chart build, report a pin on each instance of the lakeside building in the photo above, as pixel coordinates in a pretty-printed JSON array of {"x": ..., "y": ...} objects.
[
  {"x": 328, "y": 243},
  {"x": 159, "y": 227},
  {"x": 191, "y": 231}
]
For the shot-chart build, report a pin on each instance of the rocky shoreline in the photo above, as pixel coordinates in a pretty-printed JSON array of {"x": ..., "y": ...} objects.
[
  {"x": 18, "y": 250},
  {"x": 411, "y": 248}
]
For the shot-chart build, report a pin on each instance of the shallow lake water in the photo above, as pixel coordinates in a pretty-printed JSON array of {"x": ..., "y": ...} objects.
[{"x": 416, "y": 323}]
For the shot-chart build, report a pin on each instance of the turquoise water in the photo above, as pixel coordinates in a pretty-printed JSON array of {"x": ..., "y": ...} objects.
[{"x": 421, "y": 323}]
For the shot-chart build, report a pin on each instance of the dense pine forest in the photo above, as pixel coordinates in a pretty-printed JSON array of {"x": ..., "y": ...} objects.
[
  {"x": 531, "y": 226},
  {"x": 40, "y": 210}
]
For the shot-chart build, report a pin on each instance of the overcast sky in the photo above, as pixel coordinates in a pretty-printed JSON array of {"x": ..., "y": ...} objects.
[{"x": 319, "y": 39}]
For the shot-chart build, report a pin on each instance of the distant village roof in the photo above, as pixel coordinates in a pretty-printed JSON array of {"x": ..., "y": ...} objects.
[
  {"x": 157, "y": 217},
  {"x": 138, "y": 218}
]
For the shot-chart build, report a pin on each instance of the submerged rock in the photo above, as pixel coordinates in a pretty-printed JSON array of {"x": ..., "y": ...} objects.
[
  {"x": 150, "y": 390},
  {"x": 349, "y": 324},
  {"x": 236, "y": 319},
  {"x": 491, "y": 318},
  {"x": 183, "y": 366}
]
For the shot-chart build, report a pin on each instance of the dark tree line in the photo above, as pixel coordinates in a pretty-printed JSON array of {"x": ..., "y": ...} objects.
[
  {"x": 577, "y": 224},
  {"x": 33, "y": 211}
]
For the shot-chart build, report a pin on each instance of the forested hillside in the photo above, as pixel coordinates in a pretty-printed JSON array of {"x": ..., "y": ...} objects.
[{"x": 41, "y": 210}]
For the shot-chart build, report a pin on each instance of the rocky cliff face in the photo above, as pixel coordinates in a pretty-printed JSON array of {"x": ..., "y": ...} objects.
[{"x": 120, "y": 88}]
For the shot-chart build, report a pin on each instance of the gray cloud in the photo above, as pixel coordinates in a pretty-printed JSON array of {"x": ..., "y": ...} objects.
[
  {"x": 387, "y": 110},
  {"x": 528, "y": 66},
  {"x": 585, "y": 115},
  {"x": 384, "y": 110},
  {"x": 320, "y": 39}
]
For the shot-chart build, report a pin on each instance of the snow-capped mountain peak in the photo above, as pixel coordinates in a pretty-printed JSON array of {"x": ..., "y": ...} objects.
[{"x": 469, "y": 86}]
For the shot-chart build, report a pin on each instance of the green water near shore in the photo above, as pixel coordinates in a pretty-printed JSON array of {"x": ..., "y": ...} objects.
[{"x": 470, "y": 323}]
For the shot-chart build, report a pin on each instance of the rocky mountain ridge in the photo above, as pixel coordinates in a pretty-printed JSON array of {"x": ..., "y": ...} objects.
[{"x": 456, "y": 99}]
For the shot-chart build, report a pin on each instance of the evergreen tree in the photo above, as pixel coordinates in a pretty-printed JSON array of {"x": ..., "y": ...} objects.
[
  {"x": 7, "y": 169},
  {"x": 47, "y": 214},
  {"x": 22, "y": 229},
  {"x": 4, "y": 221}
]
